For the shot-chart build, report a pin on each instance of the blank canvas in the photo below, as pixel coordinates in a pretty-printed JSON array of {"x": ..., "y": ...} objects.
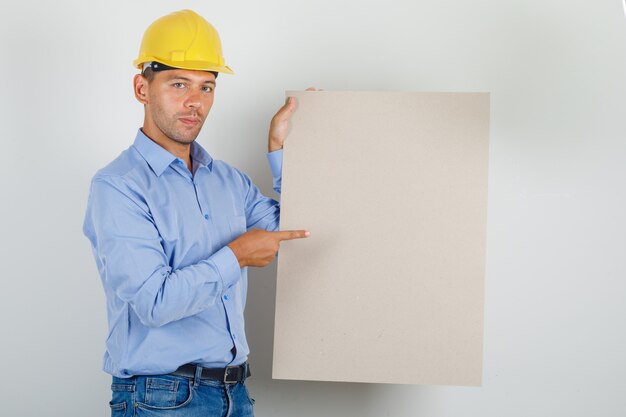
[{"x": 389, "y": 287}]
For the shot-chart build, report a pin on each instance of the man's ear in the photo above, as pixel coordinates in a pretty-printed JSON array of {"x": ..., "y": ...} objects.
[{"x": 140, "y": 86}]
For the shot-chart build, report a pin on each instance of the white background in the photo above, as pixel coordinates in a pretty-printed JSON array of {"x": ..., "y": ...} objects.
[{"x": 555, "y": 314}]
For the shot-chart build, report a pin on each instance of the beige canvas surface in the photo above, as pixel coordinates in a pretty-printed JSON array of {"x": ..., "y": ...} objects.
[{"x": 389, "y": 287}]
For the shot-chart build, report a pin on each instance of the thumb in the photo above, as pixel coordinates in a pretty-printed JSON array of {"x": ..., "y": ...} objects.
[{"x": 289, "y": 106}]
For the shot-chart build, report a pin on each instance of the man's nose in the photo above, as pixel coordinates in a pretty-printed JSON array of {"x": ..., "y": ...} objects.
[{"x": 193, "y": 100}]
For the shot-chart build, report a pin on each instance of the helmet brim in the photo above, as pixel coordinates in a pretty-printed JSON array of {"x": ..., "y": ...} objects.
[{"x": 187, "y": 65}]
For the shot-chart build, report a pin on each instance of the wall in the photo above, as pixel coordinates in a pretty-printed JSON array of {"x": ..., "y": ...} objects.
[{"x": 555, "y": 299}]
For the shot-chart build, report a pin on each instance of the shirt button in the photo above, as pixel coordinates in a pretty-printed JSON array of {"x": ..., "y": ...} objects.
[
  {"x": 206, "y": 216},
  {"x": 226, "y": 297}
]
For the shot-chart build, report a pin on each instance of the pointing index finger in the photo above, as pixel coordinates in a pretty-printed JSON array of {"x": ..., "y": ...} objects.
[{"x": 292, "y": 234}]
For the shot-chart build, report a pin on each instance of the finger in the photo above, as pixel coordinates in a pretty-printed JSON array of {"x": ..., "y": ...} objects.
[{"x": 292, "y": 234}]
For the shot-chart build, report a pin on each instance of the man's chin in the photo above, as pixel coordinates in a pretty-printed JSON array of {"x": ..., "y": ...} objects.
[
  {"x": 185, "y": 137},
  {"x": 184, "y": 140}
]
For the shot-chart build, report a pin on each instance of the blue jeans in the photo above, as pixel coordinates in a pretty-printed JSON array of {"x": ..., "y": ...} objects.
[{"x": 170, "y": 395}]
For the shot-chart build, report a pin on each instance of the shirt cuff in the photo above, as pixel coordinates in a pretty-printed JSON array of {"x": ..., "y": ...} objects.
[
  {"x": 275, "y": 159},
  {"x": 227, "y": 265}
]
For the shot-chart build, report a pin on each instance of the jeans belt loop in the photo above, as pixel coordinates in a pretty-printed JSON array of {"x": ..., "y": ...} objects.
[{"x": 197, "y": 376}]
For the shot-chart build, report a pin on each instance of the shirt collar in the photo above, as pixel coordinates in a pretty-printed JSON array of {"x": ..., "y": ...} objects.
[
  {"x": 159, "y": 159},
  {"x": 200, "y": 156}
]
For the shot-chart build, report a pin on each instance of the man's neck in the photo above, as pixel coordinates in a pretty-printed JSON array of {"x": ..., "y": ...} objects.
[{"x": 179, "y": 150}]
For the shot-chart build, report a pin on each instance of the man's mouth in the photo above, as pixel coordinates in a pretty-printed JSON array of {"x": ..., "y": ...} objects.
[{"x": 189, "y": 121}]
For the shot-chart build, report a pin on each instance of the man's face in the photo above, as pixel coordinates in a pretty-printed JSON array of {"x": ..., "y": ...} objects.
[{"x": 179, "y": 101}]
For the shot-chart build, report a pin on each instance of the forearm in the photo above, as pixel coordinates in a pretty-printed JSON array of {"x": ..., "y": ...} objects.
[
  {"x": 263, "y": 212},
  {"x": 273, "y": 146},
  {"x": 167, "y": 295},
  {"x": 275, "y": 160}
]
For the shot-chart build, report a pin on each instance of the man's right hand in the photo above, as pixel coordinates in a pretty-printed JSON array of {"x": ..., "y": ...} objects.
[{"x": 258, "y": 247}]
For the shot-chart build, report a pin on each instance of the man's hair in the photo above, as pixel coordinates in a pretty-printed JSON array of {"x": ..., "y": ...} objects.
[{"x": 148, "y": 74}]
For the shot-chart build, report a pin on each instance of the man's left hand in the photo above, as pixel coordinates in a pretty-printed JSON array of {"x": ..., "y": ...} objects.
[{"x": 279, "y": 126}]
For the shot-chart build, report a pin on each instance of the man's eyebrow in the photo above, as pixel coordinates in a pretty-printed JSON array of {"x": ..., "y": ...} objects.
[{"x": 178, "y": 77}]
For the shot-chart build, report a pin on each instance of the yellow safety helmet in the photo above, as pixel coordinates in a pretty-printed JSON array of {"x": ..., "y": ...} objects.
[{"x": 183, "y": 40}]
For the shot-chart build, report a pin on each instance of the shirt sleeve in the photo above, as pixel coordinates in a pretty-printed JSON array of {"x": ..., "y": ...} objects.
[
  {"x": 263, "y": 212},
  {"x": 133, "y": 265},
  {"x": 275, "y": 159}
]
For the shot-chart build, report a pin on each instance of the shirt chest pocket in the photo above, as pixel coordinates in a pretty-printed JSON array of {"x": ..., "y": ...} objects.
[
  {"x": 226, "y": 228},
  {"x": 236, "y": 225}
]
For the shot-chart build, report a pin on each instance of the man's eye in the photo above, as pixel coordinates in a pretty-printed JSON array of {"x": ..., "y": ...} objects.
[
  {"x": 178, "y": 85},
  {"x": 208, "y": 88}
]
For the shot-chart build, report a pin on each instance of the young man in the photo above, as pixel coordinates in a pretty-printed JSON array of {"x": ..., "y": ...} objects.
[{"x": 172, "y": 232}]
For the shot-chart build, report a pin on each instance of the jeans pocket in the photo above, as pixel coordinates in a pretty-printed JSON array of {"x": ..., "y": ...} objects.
[
  {"x": 118, "y": 409},
  {"x": 252, "y": 400},
  {"x": 121, "y": 396},
  {"x": 166, "y": 394}
]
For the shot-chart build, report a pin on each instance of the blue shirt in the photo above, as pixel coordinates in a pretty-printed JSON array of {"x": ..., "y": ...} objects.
[{"x": 175, "y": 292}]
